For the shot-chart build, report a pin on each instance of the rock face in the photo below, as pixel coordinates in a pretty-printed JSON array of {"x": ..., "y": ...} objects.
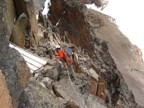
[
  {"x": 37, "y": 96},
  {"x": 97, "y": 81},
  {"x": 13, "y": 10},
  {"x": 18, "y": 33},
  {"x": 13, "y": 66},
  {"x": 81, "y": 25},
  {"x": 126, "y": 56},
  {"x": 73, "y": 18}
]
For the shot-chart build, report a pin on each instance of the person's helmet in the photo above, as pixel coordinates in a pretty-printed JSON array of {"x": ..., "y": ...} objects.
[{"x": 57, "y": 47}]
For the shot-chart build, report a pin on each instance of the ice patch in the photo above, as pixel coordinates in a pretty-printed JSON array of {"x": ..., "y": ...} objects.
[
  {"x": 37, "y": 16},
  {"x": 46, "y": 7}
]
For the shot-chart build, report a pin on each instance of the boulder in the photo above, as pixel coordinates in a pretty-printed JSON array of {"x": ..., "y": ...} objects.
[
  {"x": 37, "y": 96},
  {"x": 51, "y": 72},
  {"x": 19, "y": 31}
]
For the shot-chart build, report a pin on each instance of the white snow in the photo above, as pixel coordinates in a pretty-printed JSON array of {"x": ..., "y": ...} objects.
[
  {"x": 46, "y": 7},
  {"x": 92, "y": 6}
]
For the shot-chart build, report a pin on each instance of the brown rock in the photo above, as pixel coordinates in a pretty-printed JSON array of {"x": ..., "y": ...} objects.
[
  {"x": 14, "y": 9},
  {"x": 93, "y": 86},
  {"x": 10, "y": 15},
  {"x": 5, "y": 98},
  {"x": 72, "y": 21},
  {"x": 18, "y": 34},
  {"x": 71, "y": 104}
]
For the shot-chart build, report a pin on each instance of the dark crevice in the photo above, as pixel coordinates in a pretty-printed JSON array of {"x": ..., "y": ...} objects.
[
  {"x": 56, "y": 93},
  {"x": 16, "y": 9}
]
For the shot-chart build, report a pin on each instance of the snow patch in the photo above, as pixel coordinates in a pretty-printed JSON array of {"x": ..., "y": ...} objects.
[
  {"x": 46, "y": 7},
  {"x": 37, "y": 16},
  {"x": 91, "y": 6}
]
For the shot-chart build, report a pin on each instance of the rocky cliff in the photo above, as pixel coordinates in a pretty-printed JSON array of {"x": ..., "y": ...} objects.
[
  {"x": 14, "y": 71},
  {"x": 126, "y": 56},
  {"x": 99, "y": 82}
]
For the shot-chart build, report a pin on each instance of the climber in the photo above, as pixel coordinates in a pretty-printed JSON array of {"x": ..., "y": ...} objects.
[{"x": 62, "y": 55}]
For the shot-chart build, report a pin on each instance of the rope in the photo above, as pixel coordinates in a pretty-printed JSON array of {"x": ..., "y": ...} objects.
[{"x": 78, "y": 99}]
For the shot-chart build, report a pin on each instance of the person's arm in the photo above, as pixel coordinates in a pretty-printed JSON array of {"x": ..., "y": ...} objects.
[{"x": 59, "y": 56}]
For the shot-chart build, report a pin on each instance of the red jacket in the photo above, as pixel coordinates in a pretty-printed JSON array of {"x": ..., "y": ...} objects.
[{"x": 61, "y": 54}]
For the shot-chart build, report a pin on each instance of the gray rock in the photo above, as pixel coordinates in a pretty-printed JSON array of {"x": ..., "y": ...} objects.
[
  {"x": 52, "y": 73},
  {"x": 36, "y": 96},
  {"x": 13, "y": 66}
]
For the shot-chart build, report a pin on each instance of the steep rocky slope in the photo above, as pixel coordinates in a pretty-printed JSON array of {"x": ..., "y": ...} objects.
[
  {"x": 127, "y": 57},
  {"x": 97, "y": 77},
  {"x": 98, "y": 82}
]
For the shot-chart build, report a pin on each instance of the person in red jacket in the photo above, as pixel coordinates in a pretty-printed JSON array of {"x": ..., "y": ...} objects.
[
  {"x": 64, "y": 58},
  {"x": 60, "y": 53}
]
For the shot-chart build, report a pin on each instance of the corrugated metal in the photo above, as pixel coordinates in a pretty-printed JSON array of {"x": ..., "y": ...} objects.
[{"x": 33, "y": 61}]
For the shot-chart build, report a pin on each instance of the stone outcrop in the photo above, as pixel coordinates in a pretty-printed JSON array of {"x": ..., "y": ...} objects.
[
  {"x": 13, "y": 66},
  {"x": 18, "y": 33},
  {"x": 36, "y": 96},
  {"x": 70, "y": 21},
  {"x": 14, "y": 9}
]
